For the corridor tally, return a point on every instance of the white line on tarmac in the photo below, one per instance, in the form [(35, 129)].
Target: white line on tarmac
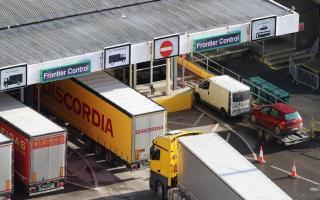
[(179, 123), (228, 137), (228, 127), (198, 120), (249, 158), (274, 167)]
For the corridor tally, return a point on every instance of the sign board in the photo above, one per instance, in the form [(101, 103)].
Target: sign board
[(67, 71), (117, 56), (13, 77), (214, 42), (166, 47), (263, 28)]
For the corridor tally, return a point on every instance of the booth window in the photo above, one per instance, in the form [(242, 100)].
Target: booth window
[(143, 73)]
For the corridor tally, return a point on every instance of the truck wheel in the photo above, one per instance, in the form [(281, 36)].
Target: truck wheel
[(197, 98), (223, 113), (88, 144), (98, 151), (277, 130), (260, 133), (109, 156), (160, 191)]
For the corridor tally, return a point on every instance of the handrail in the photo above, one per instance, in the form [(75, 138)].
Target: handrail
[(212, 65)]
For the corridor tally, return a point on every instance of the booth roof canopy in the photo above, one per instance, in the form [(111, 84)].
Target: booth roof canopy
[(91, 32)]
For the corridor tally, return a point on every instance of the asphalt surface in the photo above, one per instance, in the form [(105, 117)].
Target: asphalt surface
[(92, 178)]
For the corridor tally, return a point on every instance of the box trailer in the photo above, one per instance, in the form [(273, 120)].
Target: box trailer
[(221, 167), (226, 94), (117, 121), (6, 167), (195, 166), (39, 147)]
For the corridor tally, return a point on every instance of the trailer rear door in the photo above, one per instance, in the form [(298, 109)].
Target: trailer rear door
[(5, 167), (48, 158), (146, 128)]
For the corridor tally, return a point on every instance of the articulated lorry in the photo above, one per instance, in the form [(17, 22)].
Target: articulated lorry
[(195, 166), (116, 121), (39, 147), (6, 167)]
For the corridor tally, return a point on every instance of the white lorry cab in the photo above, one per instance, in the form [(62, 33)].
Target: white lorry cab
[(228, 95)]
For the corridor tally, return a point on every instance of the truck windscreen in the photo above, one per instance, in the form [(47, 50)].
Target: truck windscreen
[(241, 96)]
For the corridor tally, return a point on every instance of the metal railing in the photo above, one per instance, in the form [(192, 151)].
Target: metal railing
[(211, 65), (301, 75), (315, 128)]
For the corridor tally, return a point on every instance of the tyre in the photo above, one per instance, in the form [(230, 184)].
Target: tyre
[(98, 151), (277, 130), (88, 145), (197, 98), (260, 133), (253, 119), (160, 191), (268, 137), (109, 156), (223, 113)]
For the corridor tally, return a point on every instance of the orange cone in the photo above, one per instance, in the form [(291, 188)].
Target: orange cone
[(294, 171), (260, 158)]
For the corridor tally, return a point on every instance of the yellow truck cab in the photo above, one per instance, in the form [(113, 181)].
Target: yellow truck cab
[(163, 161)]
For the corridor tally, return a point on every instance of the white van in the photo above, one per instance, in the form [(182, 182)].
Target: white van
[(228, 95)]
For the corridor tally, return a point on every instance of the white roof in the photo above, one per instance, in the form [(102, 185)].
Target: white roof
[(229, 83), (120, 94), (235, 170), (25, 118), (3, 138)]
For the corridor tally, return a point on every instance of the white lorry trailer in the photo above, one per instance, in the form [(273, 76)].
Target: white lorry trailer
[(193, 166), (227, 95), (39, 147), (6, 167)]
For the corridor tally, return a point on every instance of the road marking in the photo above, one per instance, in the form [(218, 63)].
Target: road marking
[(228, 127), (179, 123), (274, 167), (198, 119), (228, 137)]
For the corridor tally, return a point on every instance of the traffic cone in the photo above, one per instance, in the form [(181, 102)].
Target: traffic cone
[(260, 158), (294, 171)]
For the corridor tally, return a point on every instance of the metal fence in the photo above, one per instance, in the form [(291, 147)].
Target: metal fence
[(301, 75)]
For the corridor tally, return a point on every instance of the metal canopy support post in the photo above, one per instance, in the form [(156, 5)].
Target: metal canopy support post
[(134, 75), (22, 95), (39, 103), (130, 75), (175, 73), (168, 69), (151, 72), (183, 68)]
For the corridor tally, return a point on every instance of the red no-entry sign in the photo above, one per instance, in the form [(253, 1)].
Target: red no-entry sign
[(166, 48)]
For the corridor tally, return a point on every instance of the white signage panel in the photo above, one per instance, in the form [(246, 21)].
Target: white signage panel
[(117, 56), (13, 77), (166, 47), (263, 28)]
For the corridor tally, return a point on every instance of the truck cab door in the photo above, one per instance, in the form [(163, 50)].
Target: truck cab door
[(155, 162), (204, 91)]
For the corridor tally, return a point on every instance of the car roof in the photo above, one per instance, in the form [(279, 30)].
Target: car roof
[(285, 108)]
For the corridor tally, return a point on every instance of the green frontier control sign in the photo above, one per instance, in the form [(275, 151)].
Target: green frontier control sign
[(214, 42), (67, 71)]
